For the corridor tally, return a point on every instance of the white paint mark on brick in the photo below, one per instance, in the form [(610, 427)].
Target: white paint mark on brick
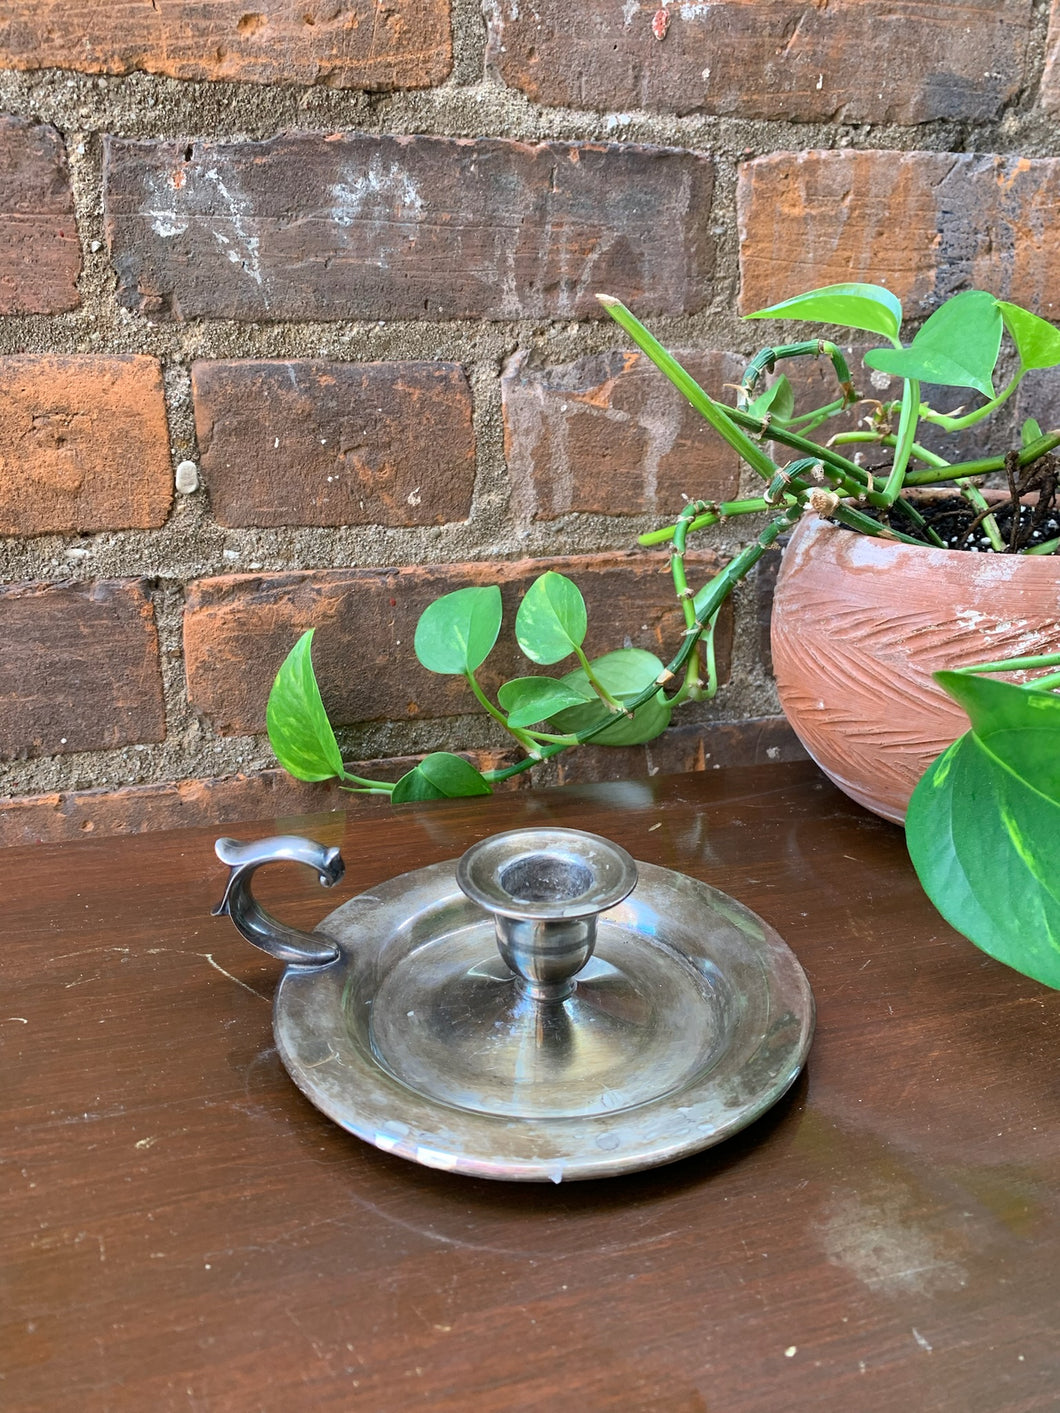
[(162, 207), (238, 214), (358, 190)]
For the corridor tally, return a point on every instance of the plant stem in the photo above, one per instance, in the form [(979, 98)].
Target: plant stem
[(367, 787), (561, 740), (989, 464), (728, 421), (692, 681), (1012, 664), (904, 440), (974, 496), (713, 594), (714, 413), (847, 515), (929, 458), (711, 513), (524, 738), (958, 424), (971, 492), (767, 359), (807, 421), (851, 479), (712, 666), (595, 683), (907, 508), (707, 602)]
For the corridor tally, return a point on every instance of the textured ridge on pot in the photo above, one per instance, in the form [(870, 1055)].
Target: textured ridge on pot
[(860, 624)]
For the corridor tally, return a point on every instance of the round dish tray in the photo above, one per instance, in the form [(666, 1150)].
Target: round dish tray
[(690, 1019)]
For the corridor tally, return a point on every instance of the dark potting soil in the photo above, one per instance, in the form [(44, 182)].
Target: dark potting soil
[(959, 525)]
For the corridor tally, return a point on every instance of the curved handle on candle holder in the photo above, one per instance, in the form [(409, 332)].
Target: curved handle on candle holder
[(288, 944)]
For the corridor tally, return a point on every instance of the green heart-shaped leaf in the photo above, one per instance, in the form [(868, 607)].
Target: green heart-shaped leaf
[(854, 306), (956, 348), (1037, 343), (456, 632), (1030, 432), (625, 674), (1020, 726), (778, 401), (551, 621), (440, 776), (299, 730), (983, 826), (528, 700)]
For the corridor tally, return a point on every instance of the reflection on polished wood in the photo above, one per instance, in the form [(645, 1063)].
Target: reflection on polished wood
[(181, 1230)]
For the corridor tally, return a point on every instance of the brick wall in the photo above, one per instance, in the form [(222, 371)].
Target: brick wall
[(336, 261)]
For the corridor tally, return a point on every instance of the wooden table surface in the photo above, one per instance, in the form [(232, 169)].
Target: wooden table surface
[(181, 1230)]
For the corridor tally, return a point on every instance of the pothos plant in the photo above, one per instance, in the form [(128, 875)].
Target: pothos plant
[(984, 824)]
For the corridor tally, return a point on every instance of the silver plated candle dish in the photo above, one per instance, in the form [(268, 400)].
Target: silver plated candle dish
[(541, 1009)]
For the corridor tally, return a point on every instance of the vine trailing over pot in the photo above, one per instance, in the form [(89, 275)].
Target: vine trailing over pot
[(986, 818)]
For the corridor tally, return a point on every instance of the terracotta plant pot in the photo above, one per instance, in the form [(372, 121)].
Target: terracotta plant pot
[(860, 624)]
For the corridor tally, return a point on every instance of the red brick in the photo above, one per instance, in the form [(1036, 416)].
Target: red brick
[(609, 435), (239, 628), (79, 667), (40, 256), (224, 802), (691, 746), (1050, 93), (356, 226), (926, 224), (850, 60), (292, 443), (83, 444), (341, 43), (1038, 396)]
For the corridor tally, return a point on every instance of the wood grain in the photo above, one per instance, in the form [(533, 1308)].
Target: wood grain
[(180, 1229)]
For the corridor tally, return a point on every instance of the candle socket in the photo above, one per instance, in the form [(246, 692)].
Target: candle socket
[(545, 889)]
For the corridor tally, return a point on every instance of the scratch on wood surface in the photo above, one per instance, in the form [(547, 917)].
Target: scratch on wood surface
[(87, 952), (207, 956)]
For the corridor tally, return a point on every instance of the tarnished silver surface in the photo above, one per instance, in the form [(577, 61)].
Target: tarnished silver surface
[(285, 943), (686, 1021), (544, 889)]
